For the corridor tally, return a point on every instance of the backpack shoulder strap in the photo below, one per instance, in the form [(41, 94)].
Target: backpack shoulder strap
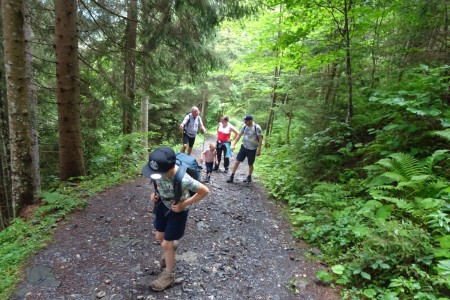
[(178, 178)]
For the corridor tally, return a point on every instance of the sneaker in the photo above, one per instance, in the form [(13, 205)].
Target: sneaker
[(216, 168), (162, 261), (230, 179), (164, 280), (208, 178), (226, 170), (248, 179)]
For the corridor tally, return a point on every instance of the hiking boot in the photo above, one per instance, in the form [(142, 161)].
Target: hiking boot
[(164, 280), (216, 168), (162, 261), (230, 179), (248, 179)]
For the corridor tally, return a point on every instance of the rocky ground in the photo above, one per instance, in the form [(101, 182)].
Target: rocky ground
[(237, 245)]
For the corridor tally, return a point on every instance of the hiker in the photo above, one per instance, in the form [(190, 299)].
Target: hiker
[(224, 130), (209, 156), (190, 125), (250, 148), (170, 217)]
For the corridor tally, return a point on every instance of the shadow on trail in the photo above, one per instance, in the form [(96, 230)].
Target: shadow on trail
[(237, 246)]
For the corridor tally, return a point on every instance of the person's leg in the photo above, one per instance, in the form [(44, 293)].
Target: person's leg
[(191, 145), (185, 142), (176, 225), (169, 255), (226, 163), (235, 167), (239, 158), (219, 156), (209, 168), (251, 155)]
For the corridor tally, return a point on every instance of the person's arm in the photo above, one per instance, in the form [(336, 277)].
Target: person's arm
[(258, 151), (202, 157), (201, 193), (186, 118), (236, 133), (201, 125), (236, 139)]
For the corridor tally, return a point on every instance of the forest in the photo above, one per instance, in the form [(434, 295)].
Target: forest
[(353, 98)]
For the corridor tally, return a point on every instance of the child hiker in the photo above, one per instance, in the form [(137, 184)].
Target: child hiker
[(170, 217), (209, 156)]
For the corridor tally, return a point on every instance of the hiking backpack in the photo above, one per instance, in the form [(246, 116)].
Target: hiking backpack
[(189, 164), (189, 120), (254, 130)]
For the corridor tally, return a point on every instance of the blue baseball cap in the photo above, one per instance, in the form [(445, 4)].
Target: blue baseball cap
[(160, 161)]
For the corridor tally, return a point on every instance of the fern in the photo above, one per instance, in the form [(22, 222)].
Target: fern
[(55, 201), (445, 134), (431, 161), (438, 222)]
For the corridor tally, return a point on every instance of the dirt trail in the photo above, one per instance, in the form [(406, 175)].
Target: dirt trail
[(237, 246)]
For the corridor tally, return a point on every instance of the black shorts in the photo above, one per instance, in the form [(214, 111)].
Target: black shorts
[(187, 140), (244, 152), (171, 223)]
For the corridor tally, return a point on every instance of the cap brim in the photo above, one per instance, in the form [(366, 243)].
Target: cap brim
[(147, 172)]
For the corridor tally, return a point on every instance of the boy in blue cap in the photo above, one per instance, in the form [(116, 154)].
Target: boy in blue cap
[(170, 217)]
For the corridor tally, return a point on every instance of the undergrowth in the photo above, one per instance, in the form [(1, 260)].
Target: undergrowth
[(377, 204)]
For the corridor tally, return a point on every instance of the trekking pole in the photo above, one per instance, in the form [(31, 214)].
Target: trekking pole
[(204, 140)]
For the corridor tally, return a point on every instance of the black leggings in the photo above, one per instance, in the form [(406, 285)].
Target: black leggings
[(226, 160)]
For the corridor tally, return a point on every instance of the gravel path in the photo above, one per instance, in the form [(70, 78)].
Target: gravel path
[(237, 246)]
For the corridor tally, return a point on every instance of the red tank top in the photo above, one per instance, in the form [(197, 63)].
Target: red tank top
[(224, 134)]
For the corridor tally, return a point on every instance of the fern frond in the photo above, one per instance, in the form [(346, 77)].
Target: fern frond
[(406, 165), (386, 188), (386, 163), (429, 203), (438, 221), (436, 157), (445, 134), (394, 176), (400, 203)]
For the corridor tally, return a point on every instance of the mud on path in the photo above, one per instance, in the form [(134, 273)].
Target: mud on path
[(237, 246)]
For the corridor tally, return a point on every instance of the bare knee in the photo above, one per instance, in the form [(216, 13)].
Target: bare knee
[(167, 245), (159, 236)]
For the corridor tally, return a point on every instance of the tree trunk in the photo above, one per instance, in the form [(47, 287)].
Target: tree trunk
[(277, 72), (288, 131), (6, 209), (330, 86), (375, 44), (348, 62), (144, 122), (22, 182), (32, 99), (272, 103), (130, 67), (68, 90)]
